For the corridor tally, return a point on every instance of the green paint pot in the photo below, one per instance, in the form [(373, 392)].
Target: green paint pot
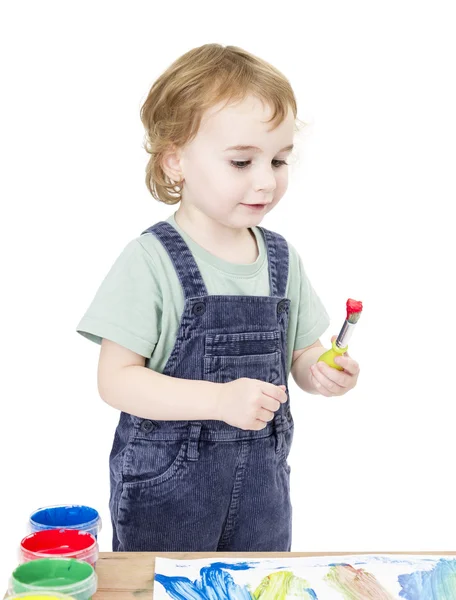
[(41, 596), (68, 576)]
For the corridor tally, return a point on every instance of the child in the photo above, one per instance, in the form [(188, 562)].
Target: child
[(202, 317)]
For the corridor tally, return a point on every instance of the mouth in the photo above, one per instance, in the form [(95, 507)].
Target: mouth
[(255, 207)]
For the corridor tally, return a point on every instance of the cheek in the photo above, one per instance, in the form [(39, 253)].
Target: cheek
[(226, 187), (204, 181), (230, 186), (282, 179), (281, 185), (224, 181)]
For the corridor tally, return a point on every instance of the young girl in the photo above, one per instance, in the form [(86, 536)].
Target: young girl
[(203, 316)]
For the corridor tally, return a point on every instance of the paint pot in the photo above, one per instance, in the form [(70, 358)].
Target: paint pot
[(69, 516), (68, 576), (41, 596), (59, 543)]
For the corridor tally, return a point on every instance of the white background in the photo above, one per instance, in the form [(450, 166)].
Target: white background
[(370, 208)]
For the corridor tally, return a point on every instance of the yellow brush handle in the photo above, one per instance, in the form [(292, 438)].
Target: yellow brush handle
[(329, 356)]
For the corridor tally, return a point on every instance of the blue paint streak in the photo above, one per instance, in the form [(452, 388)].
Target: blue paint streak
[(437, 584), (401, 561), (215, 584)]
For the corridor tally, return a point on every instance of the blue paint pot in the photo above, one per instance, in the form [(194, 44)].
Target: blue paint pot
[(66, 516)]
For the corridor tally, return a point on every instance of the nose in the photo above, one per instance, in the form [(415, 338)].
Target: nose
[(265, 181)]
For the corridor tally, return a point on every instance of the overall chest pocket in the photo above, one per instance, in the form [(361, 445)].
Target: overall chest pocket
[(254, 354)]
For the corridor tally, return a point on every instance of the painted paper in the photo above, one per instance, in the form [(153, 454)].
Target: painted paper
[(351, 577)]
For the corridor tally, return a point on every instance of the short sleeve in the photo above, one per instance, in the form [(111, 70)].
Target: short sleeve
[(313, 320), (127, 306)]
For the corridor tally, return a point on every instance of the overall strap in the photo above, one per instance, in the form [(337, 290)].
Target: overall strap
[(181, 257), (278, 260)]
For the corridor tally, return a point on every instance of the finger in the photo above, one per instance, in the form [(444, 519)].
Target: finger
[(264, 415), (348, 364), (341, 379), (318, 386), (274, 391), (270, 403), (331, 379), (258, 425)]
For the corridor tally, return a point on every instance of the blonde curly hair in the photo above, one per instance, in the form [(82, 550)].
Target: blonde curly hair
[(198, 80)]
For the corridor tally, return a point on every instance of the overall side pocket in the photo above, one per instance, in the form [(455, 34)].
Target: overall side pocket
[(150, 462)]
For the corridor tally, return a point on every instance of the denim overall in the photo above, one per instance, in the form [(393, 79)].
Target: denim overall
[(194, 486)]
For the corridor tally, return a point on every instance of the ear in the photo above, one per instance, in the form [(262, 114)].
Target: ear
[(171, 164)]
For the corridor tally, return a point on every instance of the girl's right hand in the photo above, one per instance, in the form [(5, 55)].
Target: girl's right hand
[(249, 403)]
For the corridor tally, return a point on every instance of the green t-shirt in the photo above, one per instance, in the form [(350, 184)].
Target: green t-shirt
[(140, 301)]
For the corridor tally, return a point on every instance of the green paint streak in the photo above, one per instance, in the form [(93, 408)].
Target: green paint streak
[(282, 585)]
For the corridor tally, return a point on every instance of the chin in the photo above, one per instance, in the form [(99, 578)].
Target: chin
[(254, 220)]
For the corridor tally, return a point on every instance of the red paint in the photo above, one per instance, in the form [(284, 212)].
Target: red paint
[(57, 542), (353, 306)]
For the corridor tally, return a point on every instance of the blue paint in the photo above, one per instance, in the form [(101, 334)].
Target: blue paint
[(66, 517), (437, 584), (400, 561), (215, 584)]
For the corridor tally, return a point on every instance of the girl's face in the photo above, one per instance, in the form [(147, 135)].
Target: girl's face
[(236, 187)]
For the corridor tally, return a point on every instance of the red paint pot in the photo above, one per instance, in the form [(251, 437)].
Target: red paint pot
[(60, 543)]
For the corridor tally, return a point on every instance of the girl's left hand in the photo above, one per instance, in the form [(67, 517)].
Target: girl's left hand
[(331, 382)]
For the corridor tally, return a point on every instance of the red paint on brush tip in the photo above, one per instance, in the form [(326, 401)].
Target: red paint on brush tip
[(353, 306)]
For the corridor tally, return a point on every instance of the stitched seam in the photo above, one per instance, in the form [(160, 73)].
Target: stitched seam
[(233, 512)]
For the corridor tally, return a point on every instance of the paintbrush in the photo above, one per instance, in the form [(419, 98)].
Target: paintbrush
[(339, 345)]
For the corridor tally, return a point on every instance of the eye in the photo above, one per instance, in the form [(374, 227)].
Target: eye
[(243, 164)]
